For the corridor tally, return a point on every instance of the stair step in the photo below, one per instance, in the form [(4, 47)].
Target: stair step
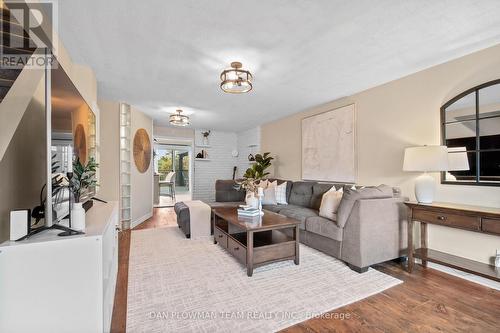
[(3, 92), (9, 39), (9, 74), (12, 50), (12, 27), (6, 83), (6, 16)]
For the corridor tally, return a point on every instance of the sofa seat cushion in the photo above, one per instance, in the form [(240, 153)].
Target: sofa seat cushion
[(273, 208), (298, 213), (324, 227)]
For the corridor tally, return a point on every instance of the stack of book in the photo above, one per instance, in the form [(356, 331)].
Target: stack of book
[(248, 211)]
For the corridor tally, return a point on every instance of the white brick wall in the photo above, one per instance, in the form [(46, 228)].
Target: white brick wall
[(219, 166), (220, 161), (248, 143)]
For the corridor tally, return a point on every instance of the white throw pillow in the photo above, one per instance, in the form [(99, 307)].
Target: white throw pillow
[(263, 183), (281, 194), (272, 184), (330, 203), (269, 196)]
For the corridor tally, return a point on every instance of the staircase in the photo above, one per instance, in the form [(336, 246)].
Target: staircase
[(12, 34)]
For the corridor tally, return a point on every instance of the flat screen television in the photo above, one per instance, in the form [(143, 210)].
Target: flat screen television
[(72, 134)]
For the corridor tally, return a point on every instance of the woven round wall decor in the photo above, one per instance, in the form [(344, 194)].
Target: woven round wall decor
[(142, 150)]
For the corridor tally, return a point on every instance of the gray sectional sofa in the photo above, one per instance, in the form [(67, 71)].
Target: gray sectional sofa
[(369, 227)]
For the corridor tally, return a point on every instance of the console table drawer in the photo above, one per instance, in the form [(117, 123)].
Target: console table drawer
[(444, 218), (237, 250), (491, 226), (220, 237)]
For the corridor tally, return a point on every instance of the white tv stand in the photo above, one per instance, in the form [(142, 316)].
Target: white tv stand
[(51, 284)]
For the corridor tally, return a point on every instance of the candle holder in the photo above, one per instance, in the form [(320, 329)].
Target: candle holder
[(261, 212), (69, 231)]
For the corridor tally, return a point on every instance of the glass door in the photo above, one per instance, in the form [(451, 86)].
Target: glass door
[(172, 168)]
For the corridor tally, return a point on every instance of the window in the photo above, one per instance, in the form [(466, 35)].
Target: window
[(470, 122)]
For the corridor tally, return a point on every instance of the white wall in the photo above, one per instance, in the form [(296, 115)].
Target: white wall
[(141, 183), (219, 166), (174, 135), (248, 143), (399, 114), (109, 149)]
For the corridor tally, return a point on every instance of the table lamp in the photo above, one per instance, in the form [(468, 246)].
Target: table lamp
[(426, 159)]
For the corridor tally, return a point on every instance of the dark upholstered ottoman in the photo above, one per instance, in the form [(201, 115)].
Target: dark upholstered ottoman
[(182, 212)]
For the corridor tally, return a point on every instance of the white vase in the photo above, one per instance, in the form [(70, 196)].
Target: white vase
[(78, 217), (425, 187), (252, 200)]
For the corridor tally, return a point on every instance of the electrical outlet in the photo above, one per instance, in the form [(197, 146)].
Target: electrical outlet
[(497, 259)]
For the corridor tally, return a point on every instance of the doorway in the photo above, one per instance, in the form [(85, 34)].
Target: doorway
[(172, 180)]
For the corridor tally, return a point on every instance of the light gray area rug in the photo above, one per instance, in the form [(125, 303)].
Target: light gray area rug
[(181, 285)]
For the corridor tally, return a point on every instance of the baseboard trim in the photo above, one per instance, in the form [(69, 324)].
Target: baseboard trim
[(464, 275), (141, 219)]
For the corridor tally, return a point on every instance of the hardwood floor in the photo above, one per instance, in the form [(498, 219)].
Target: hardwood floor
[(162, 217), (427, 301), (119, 319)]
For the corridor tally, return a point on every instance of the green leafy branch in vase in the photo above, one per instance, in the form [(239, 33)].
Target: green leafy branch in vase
[(258, 170), (83, 177), (255, 173)]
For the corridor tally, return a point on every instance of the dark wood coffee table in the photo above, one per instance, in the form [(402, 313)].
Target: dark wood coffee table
[(256, 241)]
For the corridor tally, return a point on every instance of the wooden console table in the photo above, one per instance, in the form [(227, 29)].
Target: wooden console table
[(484, 220)]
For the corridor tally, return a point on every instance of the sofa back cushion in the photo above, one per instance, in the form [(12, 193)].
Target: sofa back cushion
[(225, 191), (317, 195), (351, 196), (301, 194)]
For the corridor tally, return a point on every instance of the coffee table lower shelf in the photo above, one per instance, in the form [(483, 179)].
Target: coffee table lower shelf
[(267, 246)]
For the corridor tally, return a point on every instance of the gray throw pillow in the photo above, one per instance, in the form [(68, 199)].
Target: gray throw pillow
[(350, 196)]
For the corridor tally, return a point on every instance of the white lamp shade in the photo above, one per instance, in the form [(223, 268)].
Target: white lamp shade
[(457, 159), (426, 159)]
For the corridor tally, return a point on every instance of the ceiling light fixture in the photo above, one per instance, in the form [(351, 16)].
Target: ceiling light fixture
[(236, 80), (179, 119)]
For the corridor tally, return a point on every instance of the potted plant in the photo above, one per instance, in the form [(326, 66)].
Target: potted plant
[(253, 176), (83, 178)]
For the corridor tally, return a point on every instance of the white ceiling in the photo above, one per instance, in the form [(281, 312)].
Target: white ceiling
[(161, 55)]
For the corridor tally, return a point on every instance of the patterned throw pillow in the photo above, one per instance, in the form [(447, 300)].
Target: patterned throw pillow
[(281, 194), (269, 197)]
